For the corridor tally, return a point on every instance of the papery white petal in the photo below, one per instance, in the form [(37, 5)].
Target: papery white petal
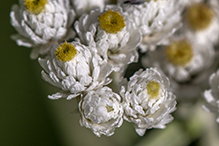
[(212, 95)]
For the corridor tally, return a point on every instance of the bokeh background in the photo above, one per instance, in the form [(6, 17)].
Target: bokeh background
[(29, 118), (24, 113)]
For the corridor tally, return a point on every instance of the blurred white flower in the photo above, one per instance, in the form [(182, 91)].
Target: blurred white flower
[(156, 20), (186, 62), (182, 59), (212, 95), (75, 69), (201, 19), (85, 6), (146, 101), (116, 42), (42, 24), (101, 111)]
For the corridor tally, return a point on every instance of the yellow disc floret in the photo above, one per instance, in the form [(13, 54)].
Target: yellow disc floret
[(199, 16), (179, 53), (65, 52), (35, 6), (153, 89), (109, 108), (111, 21)]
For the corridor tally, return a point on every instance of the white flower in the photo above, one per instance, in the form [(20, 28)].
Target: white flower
[(156, 20), (85, 6), (43, 28), (182, 59), (146, 101), (101, 111), (116, 42), (212, 95), (187, 64), (201, 18), (75, 69)]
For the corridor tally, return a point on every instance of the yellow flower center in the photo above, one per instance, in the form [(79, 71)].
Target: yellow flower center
[(199, 16), (109, 108), (35, 6), (65, 52), (111, 21), (179, 52), (153, 89)]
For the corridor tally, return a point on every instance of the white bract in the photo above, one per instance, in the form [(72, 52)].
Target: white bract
[(81, 73), (41, 30), (156, 20), (85, 6), (101, 111), (146, 101), (212, 95), (117, 47)]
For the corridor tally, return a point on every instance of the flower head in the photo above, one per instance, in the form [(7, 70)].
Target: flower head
[(118, 48), (182, 59), (179, 52), (101, 111), (74, 69), (199, 16), (146, 101)]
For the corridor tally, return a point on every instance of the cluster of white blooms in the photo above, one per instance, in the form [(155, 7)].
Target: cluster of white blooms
[(80, 44)]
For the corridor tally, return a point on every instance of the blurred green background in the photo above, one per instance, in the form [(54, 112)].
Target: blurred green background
[(29, 118), (25, 118)]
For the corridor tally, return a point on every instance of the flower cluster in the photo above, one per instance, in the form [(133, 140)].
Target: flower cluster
[(80, 44)]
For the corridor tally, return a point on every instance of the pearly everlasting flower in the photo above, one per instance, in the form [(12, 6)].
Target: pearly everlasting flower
[(212, 95), (186, 62), (101, 111), (85, 6), (112, 34), (201, 18), (182, 59), (156, 20), (42, 23), (146, 101), (74, 69)]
